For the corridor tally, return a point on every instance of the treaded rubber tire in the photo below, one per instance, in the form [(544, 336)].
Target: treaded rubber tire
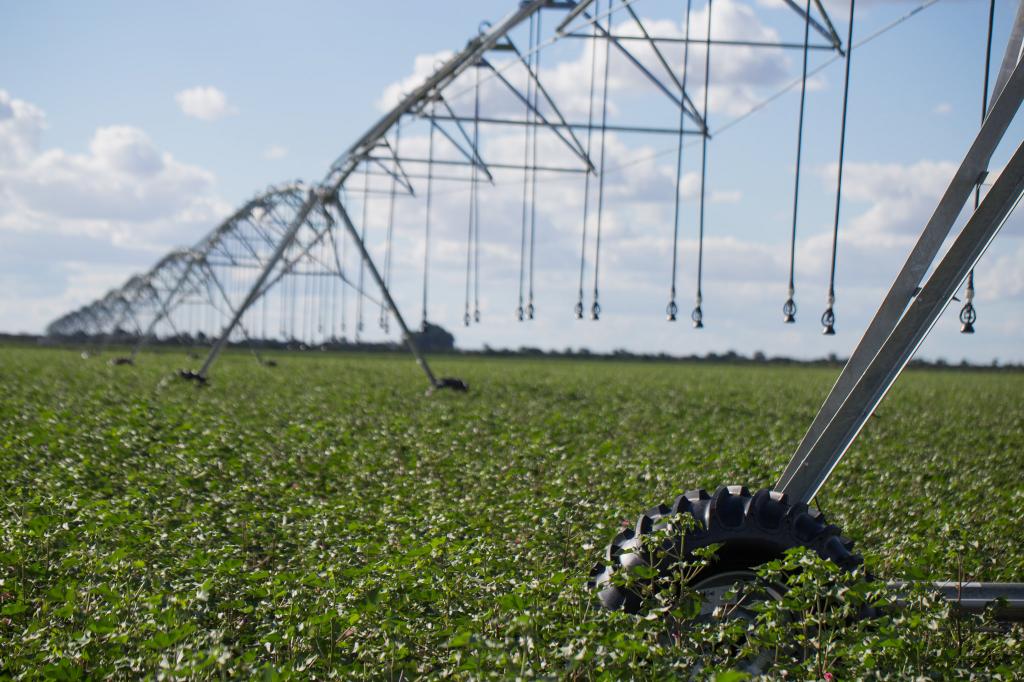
[(752, 529)]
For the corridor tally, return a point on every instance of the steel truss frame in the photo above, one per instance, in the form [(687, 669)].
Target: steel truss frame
[(299, 219)]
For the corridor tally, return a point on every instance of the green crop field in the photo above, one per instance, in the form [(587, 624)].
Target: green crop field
[(325, 518)]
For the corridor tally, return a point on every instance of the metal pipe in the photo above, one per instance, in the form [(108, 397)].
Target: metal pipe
[(581, 126), (881, 373), (1005, 599), (902, 291), (702, 41)]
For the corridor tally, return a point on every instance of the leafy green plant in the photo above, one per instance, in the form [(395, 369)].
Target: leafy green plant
[(323, 519)]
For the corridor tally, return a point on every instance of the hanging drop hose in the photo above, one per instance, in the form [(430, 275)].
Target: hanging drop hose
[(533, 179), (282, 293), (426, 233), (586, 177), (362, 237), (292, 307), (472, 239), (595, 307), (673, 309), (344, 289), (466, 318), (698, 313), (391, 227), (475, 188), (828, 318), (968, 315), (530, 123), (789, 307), (320, 293)]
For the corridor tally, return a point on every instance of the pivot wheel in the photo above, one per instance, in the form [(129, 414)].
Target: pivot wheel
[(751, 530)]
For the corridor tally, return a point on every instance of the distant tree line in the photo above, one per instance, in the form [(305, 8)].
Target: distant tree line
[(437, 340)]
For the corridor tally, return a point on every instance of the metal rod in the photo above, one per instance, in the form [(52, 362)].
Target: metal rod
[(1002, 112), (897, 350), (580, 126), (500, 166), (702, 41), (406, 334), (1006, 600)]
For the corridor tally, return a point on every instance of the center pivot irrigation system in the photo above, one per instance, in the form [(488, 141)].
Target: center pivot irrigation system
[(281, 267)]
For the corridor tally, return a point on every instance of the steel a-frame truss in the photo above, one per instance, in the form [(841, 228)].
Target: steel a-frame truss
[(430, 101), (909, 310), (283, 231)]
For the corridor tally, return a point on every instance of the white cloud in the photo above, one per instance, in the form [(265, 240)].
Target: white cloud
[(901, 197), (206, 103), (943, 108), (1002, 273), (124, 188), (275, 152), (21, 123), (119, 205)]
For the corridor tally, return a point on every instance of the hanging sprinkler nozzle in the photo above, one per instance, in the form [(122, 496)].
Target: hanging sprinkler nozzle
[(789, 310)]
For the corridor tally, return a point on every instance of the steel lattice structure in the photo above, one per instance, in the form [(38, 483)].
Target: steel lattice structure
[(296, 234)]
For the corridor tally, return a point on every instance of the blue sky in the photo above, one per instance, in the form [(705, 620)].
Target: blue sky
[(102, 80)]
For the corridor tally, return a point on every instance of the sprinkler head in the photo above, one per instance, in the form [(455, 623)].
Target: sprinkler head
[(828, 322), (789, 311), (967, 318)]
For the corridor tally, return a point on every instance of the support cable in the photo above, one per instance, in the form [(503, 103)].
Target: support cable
[(828, 318), (362, 236), (344, 290), (472, 238), (595, 306), (968, 315), (466, 317), (586, 180), (320, 297), (426, 232), (789, 307), (391, 229), (673, 308), (476, 202), (698, 312), (533, 181), (520, 312)]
